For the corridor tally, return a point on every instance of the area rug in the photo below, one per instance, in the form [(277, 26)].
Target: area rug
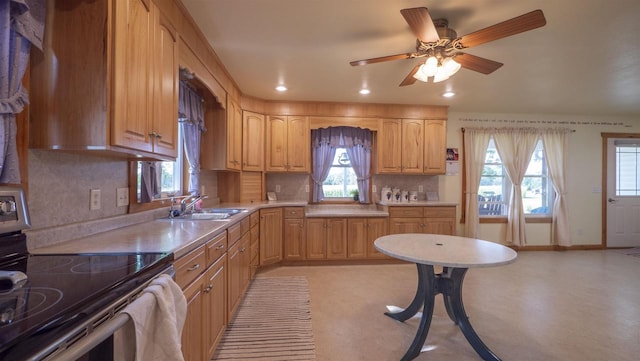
[(273, 323)]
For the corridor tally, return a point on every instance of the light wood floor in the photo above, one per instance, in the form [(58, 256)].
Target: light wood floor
[(573, 305)]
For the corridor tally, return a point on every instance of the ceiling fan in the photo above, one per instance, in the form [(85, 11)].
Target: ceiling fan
[(441, 45)]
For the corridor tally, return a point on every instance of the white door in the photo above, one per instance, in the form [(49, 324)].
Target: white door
[(623, 192)]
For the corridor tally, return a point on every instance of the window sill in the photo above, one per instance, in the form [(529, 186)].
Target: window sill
[(503, 219)]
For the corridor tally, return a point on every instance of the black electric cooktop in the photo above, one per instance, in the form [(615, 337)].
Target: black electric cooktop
[(63, 290)]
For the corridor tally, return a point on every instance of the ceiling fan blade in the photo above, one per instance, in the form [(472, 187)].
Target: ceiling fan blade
[(381, 59), (409, 80), (476, 63), (421, 24), (517, 25)]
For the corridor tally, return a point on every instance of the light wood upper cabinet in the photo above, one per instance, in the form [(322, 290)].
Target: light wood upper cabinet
[(164, 130), (389, 146), (435, 147), (94, 85), (411, 146), (252, 141), (288, 144), (234, 136)]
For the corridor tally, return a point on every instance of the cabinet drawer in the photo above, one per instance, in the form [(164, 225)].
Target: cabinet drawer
[(234, 233), (254, 218), (245, 225), (405, 211), (216, 247), (190, 266), (293, 212), (440, 212)]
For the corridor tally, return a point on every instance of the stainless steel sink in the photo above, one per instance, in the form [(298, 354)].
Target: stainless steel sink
[(219, 214)]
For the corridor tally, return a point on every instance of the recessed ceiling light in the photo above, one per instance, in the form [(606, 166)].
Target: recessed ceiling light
[(281, 88), (364, 91), (448, 94)]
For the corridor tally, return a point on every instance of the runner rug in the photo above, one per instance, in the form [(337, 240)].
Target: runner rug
[(272, 323)]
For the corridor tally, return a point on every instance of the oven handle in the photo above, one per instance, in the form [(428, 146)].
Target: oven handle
[(107, 329)]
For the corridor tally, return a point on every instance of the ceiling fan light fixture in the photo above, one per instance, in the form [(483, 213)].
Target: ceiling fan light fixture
[(420, 75), (430, 66), (450, 66), (441, 75)]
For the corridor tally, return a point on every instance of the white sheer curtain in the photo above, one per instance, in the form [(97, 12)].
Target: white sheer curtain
[(515, 147), (322, 157), (475, 147), (357, 142), (191, 118), (555, 142), (21, 25)]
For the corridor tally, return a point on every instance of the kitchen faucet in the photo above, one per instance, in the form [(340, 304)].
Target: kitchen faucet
[(188, 207)]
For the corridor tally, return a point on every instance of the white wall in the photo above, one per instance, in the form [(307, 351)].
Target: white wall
[(584, 169)]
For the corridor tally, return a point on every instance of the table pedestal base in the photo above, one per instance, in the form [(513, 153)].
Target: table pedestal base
[(449, 284)]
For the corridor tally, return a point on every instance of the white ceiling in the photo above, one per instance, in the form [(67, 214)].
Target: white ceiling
[(586, 60)]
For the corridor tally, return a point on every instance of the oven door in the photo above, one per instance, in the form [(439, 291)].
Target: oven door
[(93, 340)]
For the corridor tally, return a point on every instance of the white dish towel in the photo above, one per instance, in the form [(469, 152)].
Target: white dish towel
[(158, 316)]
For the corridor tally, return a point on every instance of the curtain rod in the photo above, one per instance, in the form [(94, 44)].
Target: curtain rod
[(571, 130)]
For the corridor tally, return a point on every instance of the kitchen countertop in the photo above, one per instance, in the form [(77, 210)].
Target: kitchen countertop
[(180, 236), (177, 236), (417, 204)]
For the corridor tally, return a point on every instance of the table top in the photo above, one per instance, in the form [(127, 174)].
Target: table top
[(443, 250)]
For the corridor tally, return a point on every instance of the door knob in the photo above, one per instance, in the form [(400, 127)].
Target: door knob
[(611, 200)]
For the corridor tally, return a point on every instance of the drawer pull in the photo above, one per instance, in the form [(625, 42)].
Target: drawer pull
[(220, 246), (195, 267), (242, 249), (209, 288)]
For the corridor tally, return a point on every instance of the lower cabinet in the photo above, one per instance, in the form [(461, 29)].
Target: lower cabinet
[(326, 238), (202, 274), (239, 258), (294, 234), (270, 236), (435, 220), (362, 232)]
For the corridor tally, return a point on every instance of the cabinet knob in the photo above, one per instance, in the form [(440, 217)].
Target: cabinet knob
[(194, 267), (220, 246), (209, 288)]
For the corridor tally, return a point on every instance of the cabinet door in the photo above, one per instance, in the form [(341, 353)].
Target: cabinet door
[(412, 145), (316, 238), (298, 144), (245, 263), (252, 142), (376, 228), (270, 235), (234, 286), (405, 225), (276, 143), (132, 77), (215, 296), (389, 147), (192, 340), (164, 127), (234, 136), (336, 238), (357, 237), (435, 146), (294, 239)]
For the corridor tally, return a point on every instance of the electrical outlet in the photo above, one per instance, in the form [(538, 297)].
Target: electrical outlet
[(277, 188), (420, 188), (122, 197), (306, 188), (374, 189), (95, 200)]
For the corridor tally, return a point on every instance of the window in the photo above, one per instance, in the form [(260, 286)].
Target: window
[(627, 170), (168, 175), (495, 186), (341, 181)]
